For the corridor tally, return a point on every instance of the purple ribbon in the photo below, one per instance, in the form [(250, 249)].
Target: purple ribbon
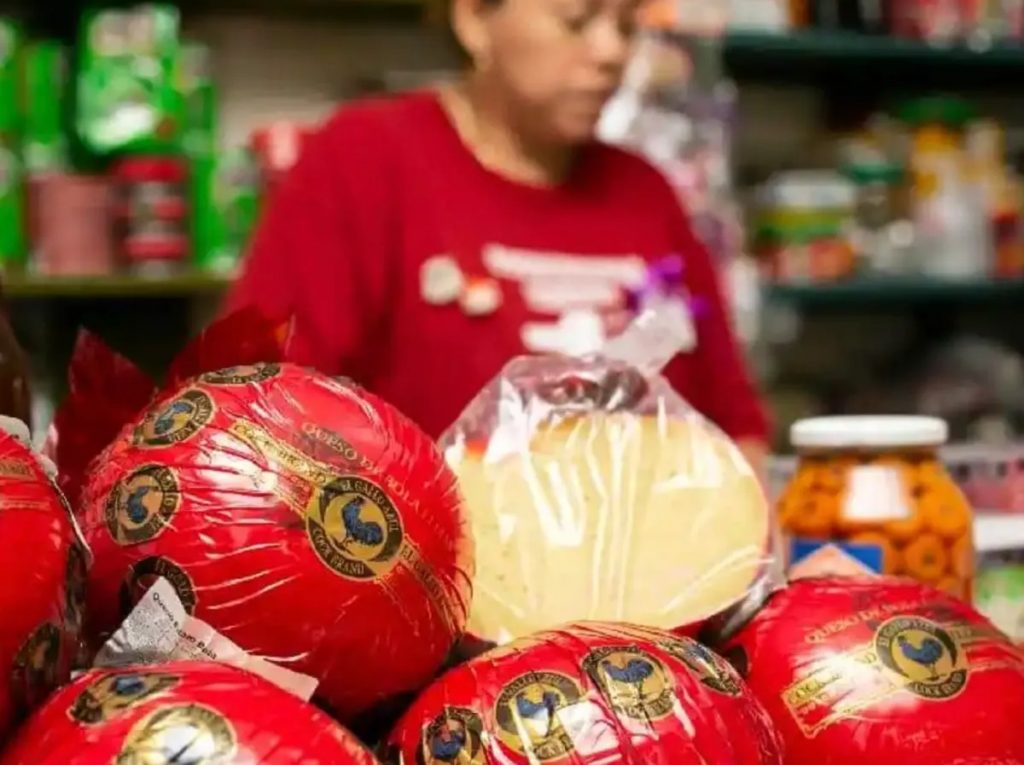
[(664, 279)]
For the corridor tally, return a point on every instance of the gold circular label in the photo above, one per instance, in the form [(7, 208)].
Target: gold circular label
[(184, 734), (112, 694), (711, 670), (929, 660), (243, 374), (531, 715), (76, 573), (144, 574), (634, 682), (354, 528), (142, 505), (176, 421), (454, 737), (35, 669)]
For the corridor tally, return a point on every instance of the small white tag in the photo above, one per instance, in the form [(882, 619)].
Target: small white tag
[(875, 493), (441, 280), (481, 297), (160, 630)]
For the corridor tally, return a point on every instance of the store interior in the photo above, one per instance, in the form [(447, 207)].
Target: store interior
[(855, 169)]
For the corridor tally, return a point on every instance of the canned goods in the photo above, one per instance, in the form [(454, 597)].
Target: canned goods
[(152, 209)]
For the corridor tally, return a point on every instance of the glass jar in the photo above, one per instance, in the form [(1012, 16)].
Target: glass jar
[(875, 488)]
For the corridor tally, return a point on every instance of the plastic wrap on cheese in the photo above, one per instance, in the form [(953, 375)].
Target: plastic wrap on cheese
[(186, 713), (106, 390), (885, 671), (596, 492), (42, 587), (304, 519), (586, 694)]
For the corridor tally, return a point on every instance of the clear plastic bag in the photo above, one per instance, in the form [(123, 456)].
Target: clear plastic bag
[(595, 492)]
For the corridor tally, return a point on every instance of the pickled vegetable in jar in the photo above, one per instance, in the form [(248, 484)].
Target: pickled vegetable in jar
[(875, 488)]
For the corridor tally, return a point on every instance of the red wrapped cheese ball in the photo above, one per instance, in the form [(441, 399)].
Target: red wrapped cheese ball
[(184, 713), (43, 584), (589, 693), (886, 671), (303, 518)]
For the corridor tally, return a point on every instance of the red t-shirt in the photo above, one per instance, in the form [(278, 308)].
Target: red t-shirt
[(388, 185)]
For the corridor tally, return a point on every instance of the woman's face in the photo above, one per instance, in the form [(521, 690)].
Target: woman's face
[(554, 63)]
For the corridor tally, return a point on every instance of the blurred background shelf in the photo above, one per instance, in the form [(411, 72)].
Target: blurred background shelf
[(812, 55), (895, 291), (25, 286)]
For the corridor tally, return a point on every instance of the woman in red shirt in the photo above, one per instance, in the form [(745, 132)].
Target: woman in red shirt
[(424, 240)]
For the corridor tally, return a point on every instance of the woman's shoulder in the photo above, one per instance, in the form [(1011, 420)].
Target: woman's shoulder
[(377, 117), (627, 171)]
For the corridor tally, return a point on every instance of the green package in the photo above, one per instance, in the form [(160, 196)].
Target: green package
[(225, 208), (128, 95), (10, 42), (200, 101), (43, 87), (13, 246)]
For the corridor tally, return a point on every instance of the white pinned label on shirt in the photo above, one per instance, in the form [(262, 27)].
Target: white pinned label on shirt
[(441, 280), (481, 297)]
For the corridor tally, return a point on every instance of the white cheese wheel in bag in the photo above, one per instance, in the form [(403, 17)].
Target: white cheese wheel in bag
[(656, 520)]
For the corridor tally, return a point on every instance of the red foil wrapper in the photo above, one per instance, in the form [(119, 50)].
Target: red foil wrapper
[(885, 671), (42, 589), (185, 712), (589, 693), (303, 518)]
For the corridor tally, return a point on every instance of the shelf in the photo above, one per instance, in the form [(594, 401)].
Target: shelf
[(19, 286), (815, 55), (344, 11), (894, 291)]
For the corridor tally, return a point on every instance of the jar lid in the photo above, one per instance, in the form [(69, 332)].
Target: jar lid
[(868, 432)]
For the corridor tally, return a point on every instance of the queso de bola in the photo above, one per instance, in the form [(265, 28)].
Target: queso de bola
[(269, 494)]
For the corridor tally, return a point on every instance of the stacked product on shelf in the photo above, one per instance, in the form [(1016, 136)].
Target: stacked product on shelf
[(935, 21), (253, 524), (110, 160), (875, 488), (926, 191)]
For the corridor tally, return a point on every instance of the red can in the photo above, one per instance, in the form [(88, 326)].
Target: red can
[(885, 671), (42, 590), (185, 712), (152, 208), (305, 519), (589, 693)]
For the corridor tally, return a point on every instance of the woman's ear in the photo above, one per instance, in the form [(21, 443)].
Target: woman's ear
[(469, 20)]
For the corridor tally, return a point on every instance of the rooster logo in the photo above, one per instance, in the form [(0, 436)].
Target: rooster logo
[(711, 669), (455, 737), (925, 656), (176, 421), (535, 715), (634, 682), (187, 734), (355, 528), (113, 694), (142, 505)]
